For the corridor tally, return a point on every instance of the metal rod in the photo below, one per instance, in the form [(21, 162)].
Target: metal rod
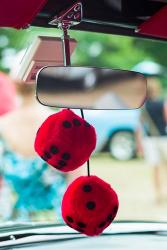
[(66, 46), (65, 20)]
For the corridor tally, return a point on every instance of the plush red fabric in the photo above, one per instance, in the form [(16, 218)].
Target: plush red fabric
[(65, 140), (89, 205), (7, 94), (155, 25), (19, 13)]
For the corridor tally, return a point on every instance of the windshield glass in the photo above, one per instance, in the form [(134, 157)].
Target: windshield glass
[(131, 145)]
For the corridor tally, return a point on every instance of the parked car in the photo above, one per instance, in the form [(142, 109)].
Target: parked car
[(116, 131)]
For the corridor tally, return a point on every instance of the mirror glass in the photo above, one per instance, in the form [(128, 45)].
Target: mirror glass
[(90, 88)]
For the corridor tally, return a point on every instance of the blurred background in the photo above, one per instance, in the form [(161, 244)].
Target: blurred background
[(119, 158)]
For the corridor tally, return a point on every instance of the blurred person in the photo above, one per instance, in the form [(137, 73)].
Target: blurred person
[(37, 186), (7, 94), (7, 104), (154, 142)]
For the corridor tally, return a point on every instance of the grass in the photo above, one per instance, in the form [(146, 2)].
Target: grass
[(134, 184)]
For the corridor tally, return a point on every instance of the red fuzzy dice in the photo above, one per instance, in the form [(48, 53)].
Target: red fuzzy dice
[(65, 140), (89, 205)]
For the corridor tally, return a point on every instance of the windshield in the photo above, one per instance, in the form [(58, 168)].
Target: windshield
[(131, 145)]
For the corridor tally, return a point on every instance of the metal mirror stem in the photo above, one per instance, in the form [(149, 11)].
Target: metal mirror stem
[(66, 46), (67, 18)]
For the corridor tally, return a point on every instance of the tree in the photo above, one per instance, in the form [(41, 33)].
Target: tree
[(92, 49)]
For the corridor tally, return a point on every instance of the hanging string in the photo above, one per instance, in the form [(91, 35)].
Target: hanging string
[(88, 168), (82, 113), (88, 163)]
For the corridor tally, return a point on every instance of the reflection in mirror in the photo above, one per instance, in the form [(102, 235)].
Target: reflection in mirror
[(90, 88)]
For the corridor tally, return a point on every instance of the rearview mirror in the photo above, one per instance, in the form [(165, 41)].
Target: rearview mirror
[(90, 88)]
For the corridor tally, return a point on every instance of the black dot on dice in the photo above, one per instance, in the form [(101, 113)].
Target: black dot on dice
[(91, 205), (54, 149), (46, 156), (62, 163), (58, 167), (102, 224), (43, 157), (87, 124), (110, 218), (67, 124), (81, 224), (76, 122), (87, 188), (66, 156), (69, 219)]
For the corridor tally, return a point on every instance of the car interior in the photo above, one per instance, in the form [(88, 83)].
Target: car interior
[(83, 124)]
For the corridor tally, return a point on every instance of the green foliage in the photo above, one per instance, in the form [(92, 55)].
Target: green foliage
[(92, 49), (107, 51), (158, 49), (116, 51), (13, 40)]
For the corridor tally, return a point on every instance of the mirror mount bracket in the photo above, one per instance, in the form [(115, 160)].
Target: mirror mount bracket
[(64, 21)]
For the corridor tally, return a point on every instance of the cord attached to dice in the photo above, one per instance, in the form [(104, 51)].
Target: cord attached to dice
[(66, 141)]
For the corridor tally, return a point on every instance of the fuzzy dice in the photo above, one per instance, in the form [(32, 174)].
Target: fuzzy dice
[(89, 205), (65, 140)]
